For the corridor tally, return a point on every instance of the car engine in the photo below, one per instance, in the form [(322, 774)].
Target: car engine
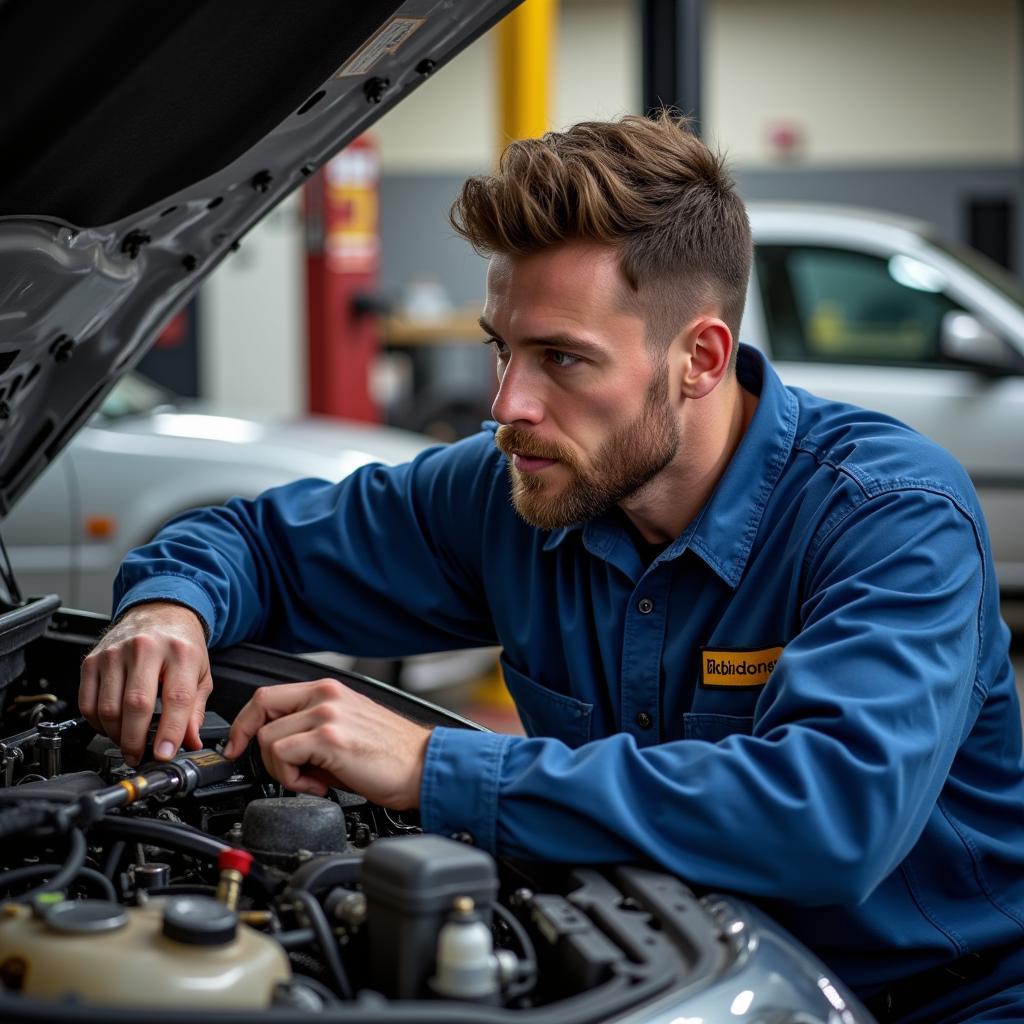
[(199, 885)]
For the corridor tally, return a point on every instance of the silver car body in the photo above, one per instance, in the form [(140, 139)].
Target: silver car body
[(976, 415), (137, 471)]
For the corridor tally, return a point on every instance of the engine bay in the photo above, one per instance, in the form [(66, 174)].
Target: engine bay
[(201, 885)]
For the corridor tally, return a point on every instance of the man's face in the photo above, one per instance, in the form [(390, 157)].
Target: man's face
[(584, 405)]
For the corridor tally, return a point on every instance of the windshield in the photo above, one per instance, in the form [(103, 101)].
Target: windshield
[(135, 395), (988, 270)]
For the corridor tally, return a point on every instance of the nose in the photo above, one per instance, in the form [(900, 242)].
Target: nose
[(519, 398)]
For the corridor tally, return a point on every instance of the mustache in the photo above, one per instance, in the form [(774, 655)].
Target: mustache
[(513, 441)]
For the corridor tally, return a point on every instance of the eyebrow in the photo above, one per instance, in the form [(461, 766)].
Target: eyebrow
[(568, 341)]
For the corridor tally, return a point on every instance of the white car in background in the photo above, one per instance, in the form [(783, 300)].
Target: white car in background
[(147, 456), (857, 305), (870, 308)]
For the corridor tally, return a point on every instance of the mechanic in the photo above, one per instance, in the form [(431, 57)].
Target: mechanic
[(753, 635)]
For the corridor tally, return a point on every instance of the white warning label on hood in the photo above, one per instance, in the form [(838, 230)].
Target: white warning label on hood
[(383, 43)]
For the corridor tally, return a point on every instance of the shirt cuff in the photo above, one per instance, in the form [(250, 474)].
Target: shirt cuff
[(176, 589), (461, 777)]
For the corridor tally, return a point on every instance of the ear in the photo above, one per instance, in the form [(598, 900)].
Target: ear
[(706, 353)]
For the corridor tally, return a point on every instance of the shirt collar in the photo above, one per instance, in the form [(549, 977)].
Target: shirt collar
[(723, 533)]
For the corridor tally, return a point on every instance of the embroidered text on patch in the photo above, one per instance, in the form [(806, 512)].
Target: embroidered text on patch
[(723, 666)]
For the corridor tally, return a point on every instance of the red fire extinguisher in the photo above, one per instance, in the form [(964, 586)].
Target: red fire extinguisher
[(342, 261)]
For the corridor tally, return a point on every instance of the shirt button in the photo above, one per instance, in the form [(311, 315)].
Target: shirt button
[(645, 606), (643, 720)]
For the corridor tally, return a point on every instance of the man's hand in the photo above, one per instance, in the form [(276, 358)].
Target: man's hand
[(321, 734), (158, 646)]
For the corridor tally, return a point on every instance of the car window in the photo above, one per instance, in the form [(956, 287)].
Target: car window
[(825, 304), (988, 270)]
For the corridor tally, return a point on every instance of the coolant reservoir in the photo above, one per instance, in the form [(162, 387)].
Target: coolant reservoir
[(185, 951)]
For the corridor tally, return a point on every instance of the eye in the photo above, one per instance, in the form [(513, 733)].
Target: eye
[(499, 346), (560, 358)]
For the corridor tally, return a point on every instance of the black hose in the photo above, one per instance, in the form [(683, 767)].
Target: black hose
[(296, 937), (73, 863), (11, 878), (113, 859), (22, 819), (515, 926), (63, 874), (183, 839), (175, 836), (325, 939), (327, 872), (24, 792), (182, 889), (528, 968)]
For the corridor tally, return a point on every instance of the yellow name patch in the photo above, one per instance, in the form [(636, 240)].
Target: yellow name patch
[(725, 666)]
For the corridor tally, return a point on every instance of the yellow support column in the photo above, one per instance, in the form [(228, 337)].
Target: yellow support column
[(526, 44)]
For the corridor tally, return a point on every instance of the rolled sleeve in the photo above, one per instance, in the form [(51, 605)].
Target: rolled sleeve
[(171, 587), (461, 778)]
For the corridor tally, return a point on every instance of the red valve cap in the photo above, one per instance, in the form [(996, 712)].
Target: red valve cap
[(234, 860)]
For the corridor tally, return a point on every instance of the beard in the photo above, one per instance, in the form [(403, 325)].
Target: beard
[(625, 462)]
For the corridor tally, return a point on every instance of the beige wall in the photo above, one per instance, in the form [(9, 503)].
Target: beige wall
[(450, 124), (252, 320), (876, 81), (598, 61)]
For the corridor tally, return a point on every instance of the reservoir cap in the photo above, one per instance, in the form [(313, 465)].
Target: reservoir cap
[(199, 921), (85, 917)]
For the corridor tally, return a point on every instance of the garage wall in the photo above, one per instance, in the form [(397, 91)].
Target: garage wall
[(252, 321), (876, 81), (911, 105), (450, 123)]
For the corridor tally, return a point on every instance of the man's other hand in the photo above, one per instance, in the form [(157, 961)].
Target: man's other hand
[(321, 734), (154, 647)]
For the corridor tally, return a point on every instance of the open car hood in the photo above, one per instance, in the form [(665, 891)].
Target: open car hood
[(141, 142)]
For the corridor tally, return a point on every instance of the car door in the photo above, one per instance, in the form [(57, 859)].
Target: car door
[(41, 533), (864, 323)]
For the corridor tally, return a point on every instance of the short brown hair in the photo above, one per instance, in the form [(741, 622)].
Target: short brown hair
[(648, 186)]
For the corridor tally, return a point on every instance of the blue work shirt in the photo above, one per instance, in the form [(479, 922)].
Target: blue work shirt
[(805, 698)]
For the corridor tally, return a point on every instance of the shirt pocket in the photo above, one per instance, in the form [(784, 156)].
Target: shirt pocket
[(544, 712), (715, 727)]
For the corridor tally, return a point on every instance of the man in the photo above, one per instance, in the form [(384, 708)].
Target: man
[(753, 635)]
